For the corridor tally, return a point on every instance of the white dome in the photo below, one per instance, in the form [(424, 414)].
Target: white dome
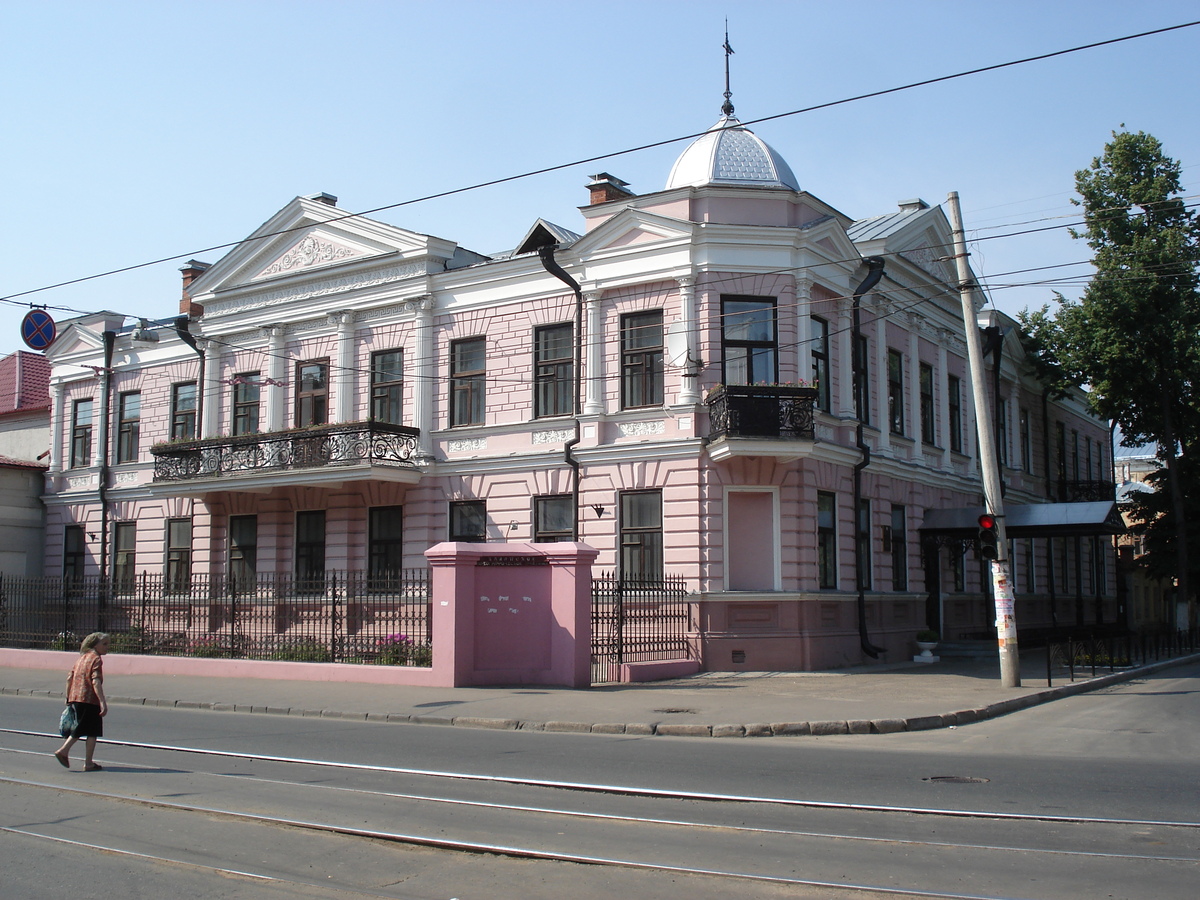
[(729, 153)]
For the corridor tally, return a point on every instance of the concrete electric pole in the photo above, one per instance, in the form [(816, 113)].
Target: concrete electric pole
[(1002, 588)]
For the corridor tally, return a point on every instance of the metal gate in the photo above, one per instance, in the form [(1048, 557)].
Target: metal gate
[(635, 620)]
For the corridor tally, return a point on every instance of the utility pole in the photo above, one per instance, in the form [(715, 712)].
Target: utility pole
[(1002, 589)]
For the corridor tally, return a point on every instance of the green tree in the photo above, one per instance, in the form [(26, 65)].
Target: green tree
[(1134, 336)]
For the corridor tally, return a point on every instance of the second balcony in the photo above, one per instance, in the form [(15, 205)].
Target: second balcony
[(761, 420)]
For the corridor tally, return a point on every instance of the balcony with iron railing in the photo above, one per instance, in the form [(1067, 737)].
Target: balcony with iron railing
[(1085, 491), (761, 420), (318, 455)]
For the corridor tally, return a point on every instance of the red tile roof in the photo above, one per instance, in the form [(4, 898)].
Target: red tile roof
[(24, 382)]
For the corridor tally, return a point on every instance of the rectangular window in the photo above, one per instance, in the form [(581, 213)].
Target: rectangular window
[(124, 556), (641, 360), (958, 566), (553, 519), (1074, 455), (179, 556), (312, 393), (895, 375), (954, 395), (899, 550), (467, 377), (863, 525), (74, 552), (827, 561), (129, 425), (245, 403), (928, 419), (1030, 566), (749, 341), (183, 411), (1100, 560), (641, 535), (820, 361), (387, 386), (468, 521), (553, 370), (310, 550), (1026, 438), (1060, 439), (1088, 458), (861, 375), (385, 544), (243, 552), (81, 434)]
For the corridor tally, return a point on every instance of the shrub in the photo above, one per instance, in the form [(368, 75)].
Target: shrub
[(305, 649)]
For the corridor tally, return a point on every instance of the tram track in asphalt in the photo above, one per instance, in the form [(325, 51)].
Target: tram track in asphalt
[(663, 842)]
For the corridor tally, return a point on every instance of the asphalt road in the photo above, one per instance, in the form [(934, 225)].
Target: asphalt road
[(1128, 755)]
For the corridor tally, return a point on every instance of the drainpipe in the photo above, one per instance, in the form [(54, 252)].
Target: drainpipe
[(874, 273), (546, 255), (181, 329), (110, 340)]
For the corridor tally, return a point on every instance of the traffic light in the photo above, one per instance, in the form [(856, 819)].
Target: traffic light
[(989, 539)]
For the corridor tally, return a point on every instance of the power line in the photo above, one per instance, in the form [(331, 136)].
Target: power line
[(598, 158)]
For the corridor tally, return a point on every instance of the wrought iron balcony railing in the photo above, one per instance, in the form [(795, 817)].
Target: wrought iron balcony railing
[(762, 411), (351, 444)]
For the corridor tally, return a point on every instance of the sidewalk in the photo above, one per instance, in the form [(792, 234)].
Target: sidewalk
[(864, 700)]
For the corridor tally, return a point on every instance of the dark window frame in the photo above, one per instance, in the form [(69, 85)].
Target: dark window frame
[(1025, 436), (385, 544), (312, 532), (641, 542), (899, 540), (124, 556), (820, 362), (895, 376), (467, 521), (387, 386), (242, 559), (74, 552), (827, 553), (183, 415), (545, 532), (247, 403), (863, 538), (860, 373), (928, 410), (312, 393), (954, 398), (468, 386), (553, 370), (81, 432), (642, 359), (759, 356), (129, 425), (178, 563)]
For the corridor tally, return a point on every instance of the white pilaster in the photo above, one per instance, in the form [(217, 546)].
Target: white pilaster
[(689, 390), (424, 367), (804, 330), (593, 369), (882, 419), (57, 415), (213, 363), (276, 394), (345, 378)]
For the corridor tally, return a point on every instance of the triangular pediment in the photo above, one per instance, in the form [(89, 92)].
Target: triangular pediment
[(310, 237), (632, 226), (919, 234)]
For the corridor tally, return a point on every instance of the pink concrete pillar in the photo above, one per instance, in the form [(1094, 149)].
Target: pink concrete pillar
[(512, 613)]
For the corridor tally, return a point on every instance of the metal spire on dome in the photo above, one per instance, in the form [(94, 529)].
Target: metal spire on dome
[(727, 107)]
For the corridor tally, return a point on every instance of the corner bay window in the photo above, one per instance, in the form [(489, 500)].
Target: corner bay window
[(749, 341)]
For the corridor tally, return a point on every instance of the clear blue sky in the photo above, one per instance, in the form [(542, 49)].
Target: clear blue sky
[(133, 131)]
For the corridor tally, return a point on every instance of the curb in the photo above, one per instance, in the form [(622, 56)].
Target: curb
[(677, 729)]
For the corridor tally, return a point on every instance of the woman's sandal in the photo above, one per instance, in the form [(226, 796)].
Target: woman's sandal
[(94, 767), (63, 761)]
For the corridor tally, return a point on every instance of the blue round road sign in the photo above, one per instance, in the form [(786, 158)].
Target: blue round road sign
[(37, 329)]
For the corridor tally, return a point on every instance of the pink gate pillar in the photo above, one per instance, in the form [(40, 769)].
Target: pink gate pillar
[(512, 613)]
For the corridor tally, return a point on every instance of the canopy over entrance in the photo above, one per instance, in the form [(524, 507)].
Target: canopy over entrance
[(1028, 520)]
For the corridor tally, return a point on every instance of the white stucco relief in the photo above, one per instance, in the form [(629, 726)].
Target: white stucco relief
[(308, 291), (309, 252)]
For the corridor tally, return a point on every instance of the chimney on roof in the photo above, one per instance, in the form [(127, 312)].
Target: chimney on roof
[(913, 205), (191, 271), (605, 187), (327, 199)]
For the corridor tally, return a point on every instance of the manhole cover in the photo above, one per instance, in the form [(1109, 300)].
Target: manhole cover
[(674, 710), (956, 779)]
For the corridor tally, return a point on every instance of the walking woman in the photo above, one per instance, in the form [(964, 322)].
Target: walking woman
[(85, 692)]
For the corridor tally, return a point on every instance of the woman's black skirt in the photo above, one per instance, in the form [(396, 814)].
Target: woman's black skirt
[(90, 722)]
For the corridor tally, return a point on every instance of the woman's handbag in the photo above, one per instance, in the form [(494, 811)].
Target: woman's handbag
[(68, 721)]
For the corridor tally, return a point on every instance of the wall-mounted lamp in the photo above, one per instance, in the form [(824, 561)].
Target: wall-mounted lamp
[(599, 511), (512, 526)]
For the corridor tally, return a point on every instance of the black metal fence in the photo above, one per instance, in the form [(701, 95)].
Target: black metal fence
[(1100, 654), (340, 617), (637, 620)]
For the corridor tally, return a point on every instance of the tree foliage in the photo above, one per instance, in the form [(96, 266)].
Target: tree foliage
[(1134, 336)]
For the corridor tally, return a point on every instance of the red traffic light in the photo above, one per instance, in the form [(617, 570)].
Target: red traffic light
[(987, 522)]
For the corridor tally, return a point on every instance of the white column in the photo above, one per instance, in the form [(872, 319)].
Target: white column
[(213, 364), (804, 333), (882, 420), (345, 378), (425, 369), (57, 424), (689, 390), (593, 369), (276, 394), (941, 385)]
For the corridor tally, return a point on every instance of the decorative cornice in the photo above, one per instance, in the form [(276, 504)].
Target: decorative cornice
[(257, 299)]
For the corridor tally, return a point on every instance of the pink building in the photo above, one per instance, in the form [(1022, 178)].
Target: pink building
[(341, 394)]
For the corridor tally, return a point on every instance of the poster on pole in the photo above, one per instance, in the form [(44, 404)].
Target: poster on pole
[(1006, 617)]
